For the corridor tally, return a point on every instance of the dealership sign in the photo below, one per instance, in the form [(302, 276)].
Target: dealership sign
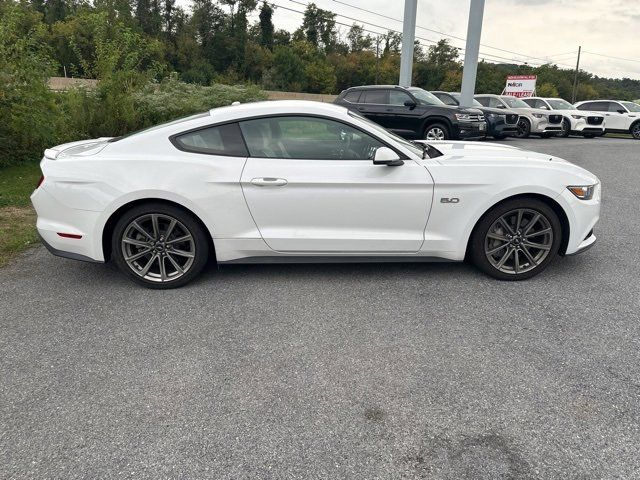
[(520, 86)]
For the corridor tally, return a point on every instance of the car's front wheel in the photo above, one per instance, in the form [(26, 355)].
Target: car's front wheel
[(566, 128), (437, 131), (159, 245), (523, 128), (635, 130), (516, 239)]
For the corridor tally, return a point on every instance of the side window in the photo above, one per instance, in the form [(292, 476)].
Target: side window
[(375, 96), (307, 138), (483, 100), (541, 104), (600, 106), (352, 97), (616, 107), (446, 99), (529, 101), (225, 140), (495, 103), (586, 106), (398, 98)]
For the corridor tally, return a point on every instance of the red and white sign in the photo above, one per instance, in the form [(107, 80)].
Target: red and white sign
[(520, 85)]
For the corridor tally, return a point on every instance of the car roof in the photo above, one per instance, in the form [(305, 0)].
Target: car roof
[(276, 107), (373, 87)]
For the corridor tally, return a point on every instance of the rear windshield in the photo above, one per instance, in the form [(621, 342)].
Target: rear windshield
[(162, 125)]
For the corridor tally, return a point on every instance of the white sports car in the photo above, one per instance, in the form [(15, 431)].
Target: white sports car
[(295, 181)]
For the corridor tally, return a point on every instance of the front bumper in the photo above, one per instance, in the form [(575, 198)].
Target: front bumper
[(542, 125), (581, 127), (470, 130), (583, 215), (499, 127)]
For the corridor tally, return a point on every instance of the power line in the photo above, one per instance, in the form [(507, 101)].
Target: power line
[(611, 56), (492, 57), (437, 31)]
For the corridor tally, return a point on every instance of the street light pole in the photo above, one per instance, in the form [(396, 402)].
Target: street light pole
[(408, 38), (472, 50), (575, 77)]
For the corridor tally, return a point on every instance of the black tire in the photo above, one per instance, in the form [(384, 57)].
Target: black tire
[(479, 244), (186, 225), (500, 137), (635, 130), (524, 128), (566, 128), (434, 127)]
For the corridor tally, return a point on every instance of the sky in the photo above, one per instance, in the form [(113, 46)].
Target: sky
[(534, 31)]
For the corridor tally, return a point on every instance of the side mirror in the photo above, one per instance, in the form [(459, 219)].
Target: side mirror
[(410, 103), (500, 106), (543, 107), (621, 111), (386, 156)]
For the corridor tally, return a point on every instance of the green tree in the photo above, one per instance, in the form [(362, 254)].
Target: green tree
[(266, 25), (357, 40)]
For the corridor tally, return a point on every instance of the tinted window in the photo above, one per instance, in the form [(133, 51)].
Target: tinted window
[(352, 96), (529, 101), (615, 106), (219, 140), (446, 99), (398, 98), (483, 101), (307, 138), (586, 106), (374, 96), (541, 104), (596, 106)]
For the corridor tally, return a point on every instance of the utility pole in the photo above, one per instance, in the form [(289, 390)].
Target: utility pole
[(408, 38), (575, 77), (471, 52)]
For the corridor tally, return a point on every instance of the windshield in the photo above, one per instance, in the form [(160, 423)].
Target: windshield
[(426, 98), (476, 103), (405, 143), (514, 102), (632, 107), (559, 104)]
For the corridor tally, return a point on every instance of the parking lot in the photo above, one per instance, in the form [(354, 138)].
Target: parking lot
[(333, 371)]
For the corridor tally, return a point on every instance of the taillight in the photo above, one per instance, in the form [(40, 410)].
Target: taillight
[(40, 181)]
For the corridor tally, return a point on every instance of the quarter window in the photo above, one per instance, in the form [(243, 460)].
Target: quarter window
[(352, 97), (224, 140), (307, 138)]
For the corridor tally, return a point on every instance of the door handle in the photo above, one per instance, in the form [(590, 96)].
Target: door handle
[(269, 182)]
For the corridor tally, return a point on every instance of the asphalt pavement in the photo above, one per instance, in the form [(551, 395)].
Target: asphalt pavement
[(333, 371)]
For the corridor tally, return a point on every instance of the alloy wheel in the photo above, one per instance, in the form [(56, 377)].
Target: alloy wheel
[(158, 247), (518, 241), (635, 131), (522, 129), (435, 133)]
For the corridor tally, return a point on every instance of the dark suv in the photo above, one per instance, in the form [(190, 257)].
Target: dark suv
[(500, 122), (413, 113)]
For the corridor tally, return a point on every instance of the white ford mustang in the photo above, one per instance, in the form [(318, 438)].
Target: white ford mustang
[(295, 181)]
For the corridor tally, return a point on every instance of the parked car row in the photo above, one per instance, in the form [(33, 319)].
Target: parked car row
[(414, 113)]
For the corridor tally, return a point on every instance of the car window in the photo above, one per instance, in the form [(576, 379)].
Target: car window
[(308, 138), (631, 106), (375, 96), (223, 140), (615, 107), (353, 96), (529, 101), (484, 101), (398, 98), (495, 103), (446, 99), (596, 106), (541, 104)]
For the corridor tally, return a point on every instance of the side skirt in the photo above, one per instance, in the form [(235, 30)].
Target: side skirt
[(334, 259)]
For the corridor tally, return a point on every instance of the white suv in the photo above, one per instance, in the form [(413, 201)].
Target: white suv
[(620, 116), (532, 120), (580, 122)]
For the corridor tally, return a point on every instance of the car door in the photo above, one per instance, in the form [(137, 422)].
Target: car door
[(617, 117), (403, 119), (374, 105), (312, 188)]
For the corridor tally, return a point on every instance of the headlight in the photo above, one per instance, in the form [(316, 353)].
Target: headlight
[(578, 117), (583, 192), (465, 117), (538, 115)]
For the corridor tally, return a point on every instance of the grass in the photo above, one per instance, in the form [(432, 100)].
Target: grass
[(17, 217)]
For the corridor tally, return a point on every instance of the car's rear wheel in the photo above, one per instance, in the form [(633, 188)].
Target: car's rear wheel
[(566, 128), (159, 246), (523, 128), (516, 240), (635, 130), (437, 131)]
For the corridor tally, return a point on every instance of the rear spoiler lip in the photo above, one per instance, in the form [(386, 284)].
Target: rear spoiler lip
[(53, 152)]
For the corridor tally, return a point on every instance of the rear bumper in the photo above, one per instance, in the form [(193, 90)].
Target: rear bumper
[(64, 254)]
